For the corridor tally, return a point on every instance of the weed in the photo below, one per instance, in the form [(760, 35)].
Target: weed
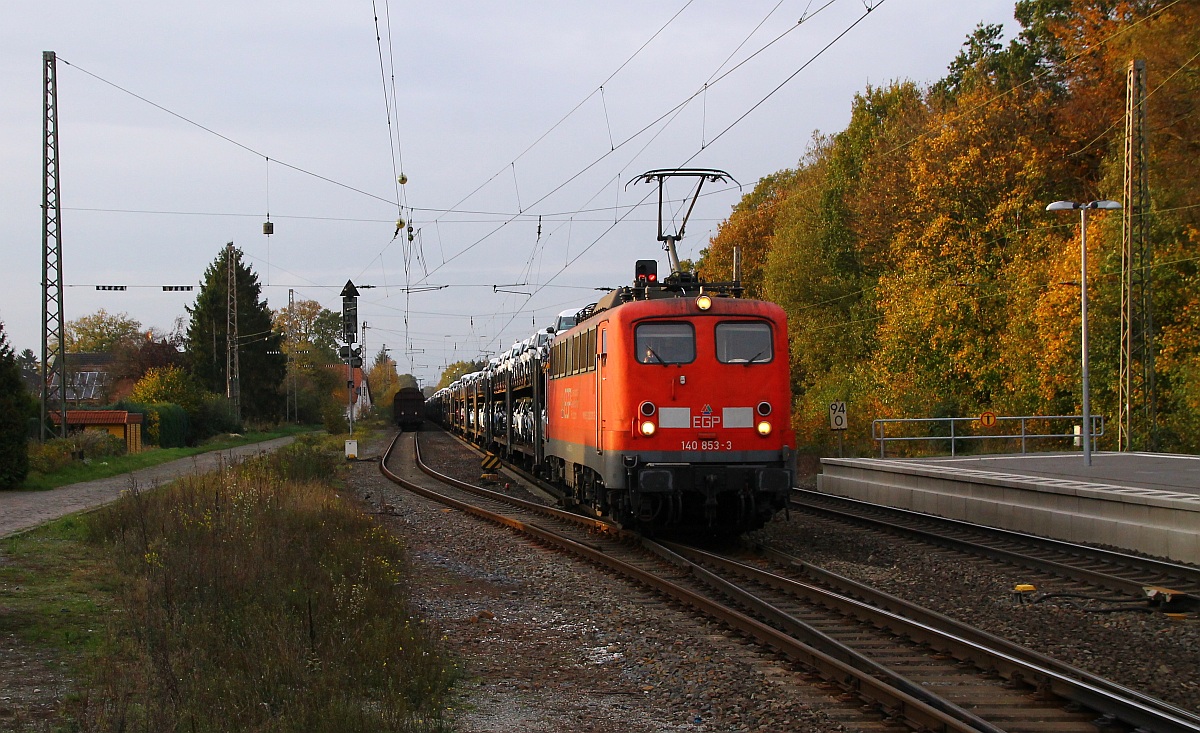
[(255, 599)]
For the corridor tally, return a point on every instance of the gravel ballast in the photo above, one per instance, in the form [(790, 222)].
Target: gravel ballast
[(550, 643), (1149, 652)]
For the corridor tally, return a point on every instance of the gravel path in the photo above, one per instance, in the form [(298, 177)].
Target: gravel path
[(21, 510)]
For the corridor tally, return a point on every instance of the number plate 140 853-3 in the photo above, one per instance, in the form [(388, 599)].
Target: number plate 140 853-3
[(706, 445)]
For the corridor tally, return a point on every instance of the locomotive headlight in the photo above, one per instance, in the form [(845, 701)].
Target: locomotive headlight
[(764, 427), (703, 302), (647, 408), (647, 428)]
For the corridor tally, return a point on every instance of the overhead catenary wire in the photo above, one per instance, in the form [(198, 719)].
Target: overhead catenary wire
[(418, 258), (664, 116), (226, 138), (671, 113)]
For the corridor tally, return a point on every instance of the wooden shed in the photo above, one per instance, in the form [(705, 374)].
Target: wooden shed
[(124, 425)]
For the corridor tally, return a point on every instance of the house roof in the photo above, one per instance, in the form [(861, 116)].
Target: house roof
[(88, 360), (99, 417)]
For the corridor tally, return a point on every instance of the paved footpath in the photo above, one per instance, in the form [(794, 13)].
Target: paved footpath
[(20, 510)]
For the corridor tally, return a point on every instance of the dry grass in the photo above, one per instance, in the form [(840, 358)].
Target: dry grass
[(255, 599)]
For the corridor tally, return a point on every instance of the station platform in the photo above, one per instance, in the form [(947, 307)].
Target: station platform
[(1141, 502)]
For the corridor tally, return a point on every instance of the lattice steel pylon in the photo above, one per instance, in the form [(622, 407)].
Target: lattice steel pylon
[(1136, 416), (53, 336), (233, 390), (291, 366)]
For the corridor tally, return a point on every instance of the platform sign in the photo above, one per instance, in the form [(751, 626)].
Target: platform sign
[(988, 419), (837, 415)]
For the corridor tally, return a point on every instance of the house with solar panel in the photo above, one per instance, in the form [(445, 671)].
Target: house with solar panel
[(89, 379)]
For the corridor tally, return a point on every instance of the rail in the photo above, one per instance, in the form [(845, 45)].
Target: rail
[(879, 429)]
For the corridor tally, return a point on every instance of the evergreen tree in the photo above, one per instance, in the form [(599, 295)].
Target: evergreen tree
[(15, 410), (263, 365)]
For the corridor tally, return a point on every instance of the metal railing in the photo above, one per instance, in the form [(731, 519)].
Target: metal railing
[(879, 430)]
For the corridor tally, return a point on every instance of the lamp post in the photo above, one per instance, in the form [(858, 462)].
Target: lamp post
[(1086, 430)]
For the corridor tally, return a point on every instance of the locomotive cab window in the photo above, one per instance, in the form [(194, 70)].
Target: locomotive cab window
[(743, 343), (665, 343)]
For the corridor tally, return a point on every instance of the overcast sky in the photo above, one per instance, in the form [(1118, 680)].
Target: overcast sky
[(504, 114)]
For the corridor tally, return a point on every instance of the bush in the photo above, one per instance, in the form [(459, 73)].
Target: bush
[(50, 456), (92, 444), (163, 424), (213, 416), (56, 454), (333, 416)]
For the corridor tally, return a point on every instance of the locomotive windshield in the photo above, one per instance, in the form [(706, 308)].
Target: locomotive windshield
[(665, 343), (743, 343)]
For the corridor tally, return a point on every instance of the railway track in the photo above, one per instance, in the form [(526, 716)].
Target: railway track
[(1168, 586), (903, 668), (929, 649)]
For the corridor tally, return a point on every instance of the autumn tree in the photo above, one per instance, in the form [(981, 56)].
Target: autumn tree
[(912, 253), (169, 384), (135, 358), (309, 328), (457, 370), (385, 382), (309, 334), (101, 332), (749, 228), (263, 365)]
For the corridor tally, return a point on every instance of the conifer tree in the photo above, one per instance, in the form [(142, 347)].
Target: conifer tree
[(263, 365), (15, 410)]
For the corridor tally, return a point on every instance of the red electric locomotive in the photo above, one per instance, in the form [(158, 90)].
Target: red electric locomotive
[(668, 406), (665, 405)]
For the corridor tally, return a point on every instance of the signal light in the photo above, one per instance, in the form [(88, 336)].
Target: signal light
[(647, 427), (645, 272), (703, 302), (764, 428)]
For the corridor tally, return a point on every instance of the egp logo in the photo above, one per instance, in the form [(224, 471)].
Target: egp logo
[(706, 419)]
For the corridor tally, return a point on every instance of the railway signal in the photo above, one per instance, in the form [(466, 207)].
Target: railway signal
[(349, 312), (351, 356), (349, 330)]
